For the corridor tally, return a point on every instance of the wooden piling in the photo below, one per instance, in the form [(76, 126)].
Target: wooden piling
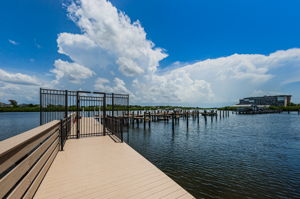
[(132, 119), (187, 119), (145, 119), (173, 120), (149, 120)]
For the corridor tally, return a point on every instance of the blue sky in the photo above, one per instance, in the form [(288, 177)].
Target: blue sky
[(197, 29), (251, 43)]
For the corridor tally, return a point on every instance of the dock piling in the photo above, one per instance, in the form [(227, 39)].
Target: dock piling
[(149, 120)]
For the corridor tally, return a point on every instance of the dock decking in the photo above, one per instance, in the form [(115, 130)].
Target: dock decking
[(97, 167)]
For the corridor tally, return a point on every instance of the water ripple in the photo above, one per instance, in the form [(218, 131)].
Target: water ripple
[(256, 156)]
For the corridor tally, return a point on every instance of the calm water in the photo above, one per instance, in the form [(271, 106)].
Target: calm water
[(17, 122), (241, 156)]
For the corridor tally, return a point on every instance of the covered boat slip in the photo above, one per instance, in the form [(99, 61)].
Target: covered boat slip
[(98, 167)]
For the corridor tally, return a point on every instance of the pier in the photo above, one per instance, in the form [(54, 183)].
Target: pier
[(80, 154), (40, 164), (145, 117), (252, 112), (97, 167)]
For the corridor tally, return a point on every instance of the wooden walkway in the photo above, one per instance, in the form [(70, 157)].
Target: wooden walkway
[(88, 126), (97, 167)]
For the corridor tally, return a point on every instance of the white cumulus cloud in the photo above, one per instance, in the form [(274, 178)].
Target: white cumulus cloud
[(117, 86), (108, 37), (20, 87), (114, 54), (18, 78), (72, 71)]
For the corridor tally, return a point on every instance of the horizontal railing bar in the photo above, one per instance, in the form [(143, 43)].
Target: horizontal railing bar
[(36, 174), (15, 148), (10, 179), (15, 141), (43, 90)]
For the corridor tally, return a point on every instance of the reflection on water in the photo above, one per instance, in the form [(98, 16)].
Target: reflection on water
[(241, 156)]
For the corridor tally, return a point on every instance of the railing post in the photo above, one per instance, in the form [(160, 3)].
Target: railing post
[(41, 122), (104, 114), (114, 126), (61, 135), (77, 115), (128, 111), (121, 129), (66, 104), (112, 105), (66, 111), (68, 126)]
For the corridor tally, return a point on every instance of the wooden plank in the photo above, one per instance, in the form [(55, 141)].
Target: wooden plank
[(15, 148), (88, 126), (11, 158), (36, 174), (17, 140), (153, 188), (175, 194), (107, 180), (10, 179), (164, 192), (97, 167), (185, 196)]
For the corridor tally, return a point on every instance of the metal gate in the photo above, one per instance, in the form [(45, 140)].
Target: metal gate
[(87, 113), (90, 114)]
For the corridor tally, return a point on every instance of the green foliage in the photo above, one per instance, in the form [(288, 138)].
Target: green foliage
[(19, 109), (137, 107), (230, 108), (36, 108), (292, 104), (49, 108), (293, 107), (33, 105), (14, 103)]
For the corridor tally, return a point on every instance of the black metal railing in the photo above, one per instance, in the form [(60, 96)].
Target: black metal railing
[(114, 126), (65, 129), (89, 111)]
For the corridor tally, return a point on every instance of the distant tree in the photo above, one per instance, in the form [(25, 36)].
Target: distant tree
[(292, 104), (14, 103)]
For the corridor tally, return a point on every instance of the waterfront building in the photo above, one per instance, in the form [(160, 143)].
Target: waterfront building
[(5, 105), (275, 100)]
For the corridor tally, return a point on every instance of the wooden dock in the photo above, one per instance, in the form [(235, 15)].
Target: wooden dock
[(135, 118), (97, 167), (33, 165), (254, 112)]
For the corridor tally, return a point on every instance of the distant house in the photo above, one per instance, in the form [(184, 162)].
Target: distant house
[(275, 100), (5, 105)]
